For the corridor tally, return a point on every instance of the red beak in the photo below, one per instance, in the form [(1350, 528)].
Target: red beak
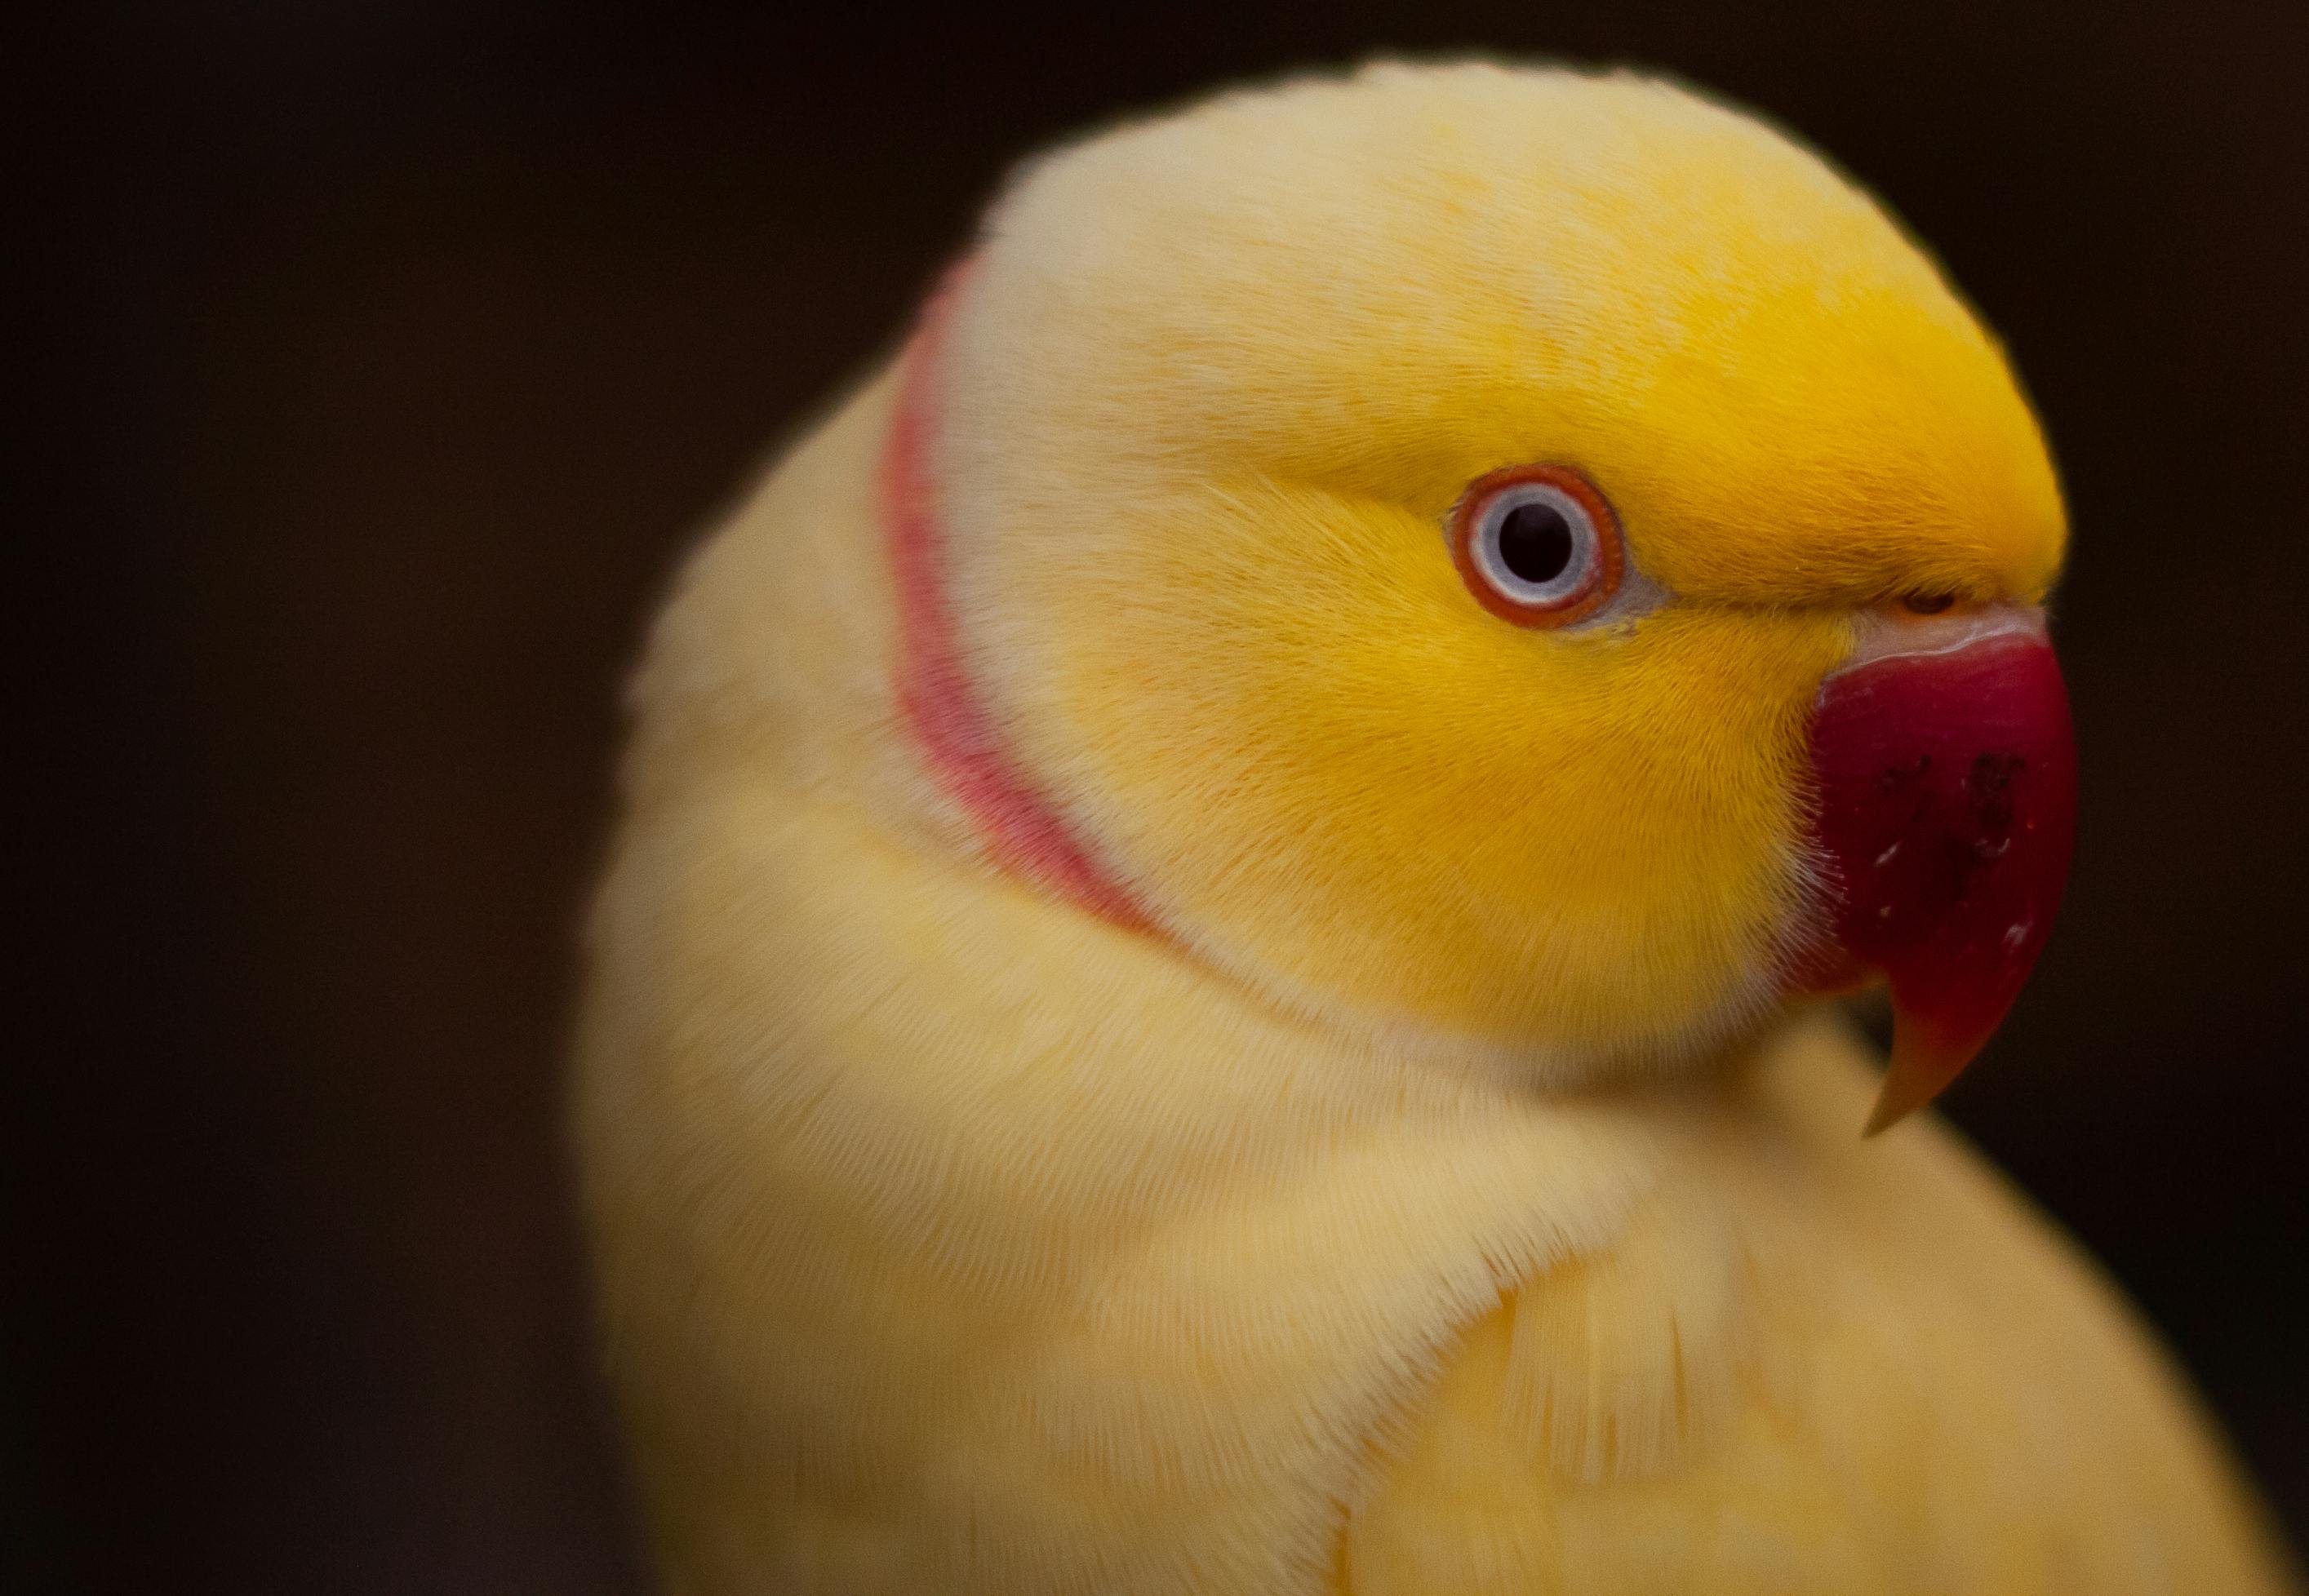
[(1947, 791)]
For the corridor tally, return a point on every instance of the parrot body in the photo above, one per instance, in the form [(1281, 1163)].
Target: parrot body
[(1037, 1142)]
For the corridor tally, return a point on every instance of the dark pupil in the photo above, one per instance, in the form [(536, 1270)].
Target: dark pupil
[(1536, 543)]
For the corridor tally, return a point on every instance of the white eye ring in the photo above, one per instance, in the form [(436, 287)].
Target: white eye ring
[(1537, 545)]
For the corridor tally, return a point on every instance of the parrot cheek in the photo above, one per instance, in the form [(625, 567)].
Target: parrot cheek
[(1945, 808)]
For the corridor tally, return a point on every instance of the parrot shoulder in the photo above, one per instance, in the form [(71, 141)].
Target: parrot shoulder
[(1811, 1364)]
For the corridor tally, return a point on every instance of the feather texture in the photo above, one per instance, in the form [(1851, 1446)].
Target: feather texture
[(1427, 1211)]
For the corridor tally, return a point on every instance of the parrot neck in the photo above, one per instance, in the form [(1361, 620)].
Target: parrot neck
[(959, 736)]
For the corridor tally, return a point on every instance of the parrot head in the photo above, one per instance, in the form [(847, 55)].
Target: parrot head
[(1509, 559)]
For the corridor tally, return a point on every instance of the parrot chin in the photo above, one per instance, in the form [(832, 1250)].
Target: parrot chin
[(1945, 799)]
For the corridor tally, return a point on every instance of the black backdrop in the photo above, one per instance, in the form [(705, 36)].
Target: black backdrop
[(394, 349)]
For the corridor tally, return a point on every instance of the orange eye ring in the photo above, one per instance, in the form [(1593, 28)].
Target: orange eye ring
[(1537, 545)]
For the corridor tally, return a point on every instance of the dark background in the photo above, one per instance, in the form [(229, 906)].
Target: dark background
[(388, 355)]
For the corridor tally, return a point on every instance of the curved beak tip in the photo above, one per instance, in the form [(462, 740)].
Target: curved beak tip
[(1920, 1069)]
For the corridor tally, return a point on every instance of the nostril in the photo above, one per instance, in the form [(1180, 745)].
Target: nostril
[(1926, 603), (1898, 629)]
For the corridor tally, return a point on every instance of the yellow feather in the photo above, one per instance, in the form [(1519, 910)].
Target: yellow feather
[(952, 1240), (1811, 1365), (1216, 383)]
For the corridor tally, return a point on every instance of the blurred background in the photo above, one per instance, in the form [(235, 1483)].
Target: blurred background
[(386, 355)]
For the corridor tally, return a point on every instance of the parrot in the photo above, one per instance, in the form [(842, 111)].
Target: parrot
[(1224, 966)]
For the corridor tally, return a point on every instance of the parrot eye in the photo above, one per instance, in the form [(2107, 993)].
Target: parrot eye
[(1537, 545)]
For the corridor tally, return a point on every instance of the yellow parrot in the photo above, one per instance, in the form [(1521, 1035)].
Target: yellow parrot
[(1211, 981)]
